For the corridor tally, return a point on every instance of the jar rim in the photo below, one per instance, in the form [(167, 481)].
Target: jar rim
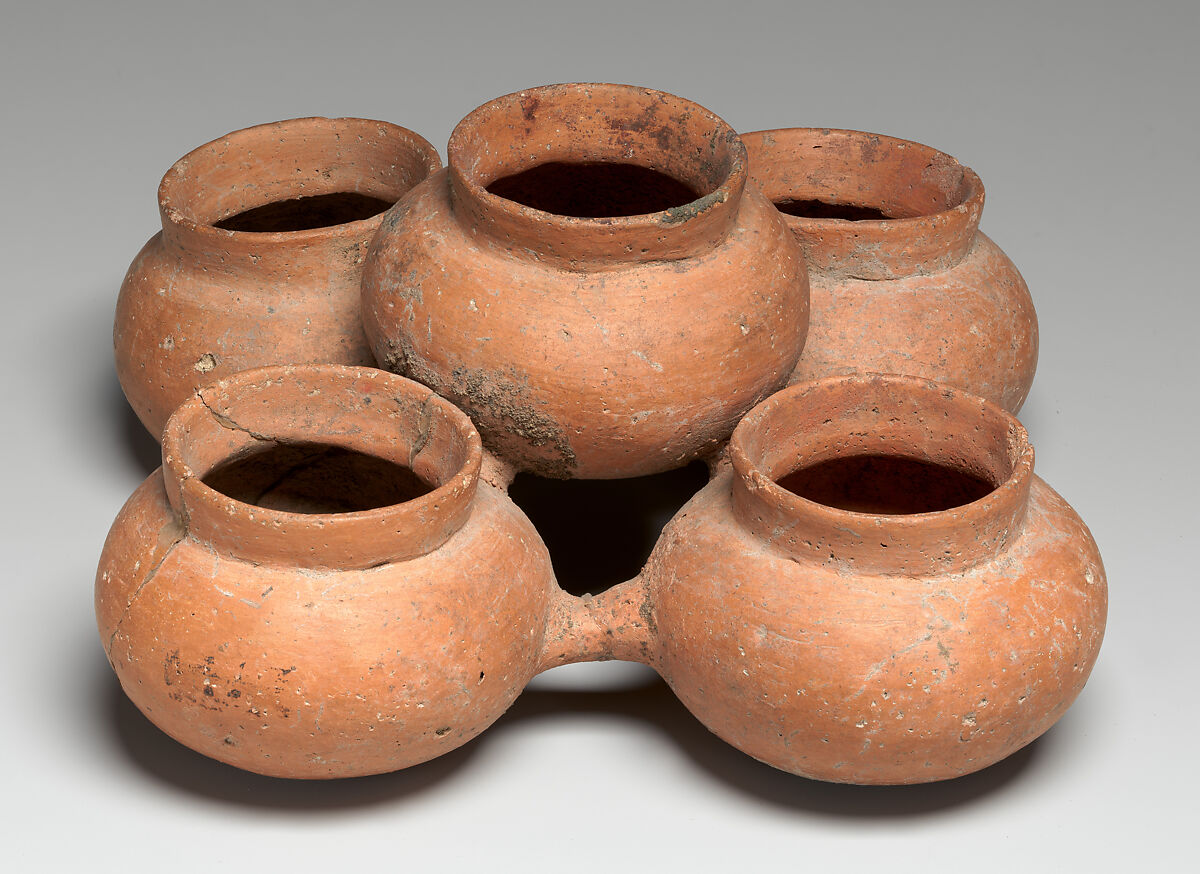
[(358, 408), (178, 212), (603, 123), (967, 192), (870, 170), (832, 417)]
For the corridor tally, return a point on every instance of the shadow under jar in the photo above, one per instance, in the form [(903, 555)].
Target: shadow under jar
[(901, 279), (878, 589), (260, 257), (317, 583), (591, 280)]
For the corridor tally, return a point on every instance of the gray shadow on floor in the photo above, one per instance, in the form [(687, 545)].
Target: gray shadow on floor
[(651, 701), (156, 754)]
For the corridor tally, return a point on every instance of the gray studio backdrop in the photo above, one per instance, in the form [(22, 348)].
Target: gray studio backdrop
[(1080, 118)]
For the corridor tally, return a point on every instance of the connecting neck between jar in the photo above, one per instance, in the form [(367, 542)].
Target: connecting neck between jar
[(282, 161), (358, 409), (579, 124), (932, 203), (892, 417)]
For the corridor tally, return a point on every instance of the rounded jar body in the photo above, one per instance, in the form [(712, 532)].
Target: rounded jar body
[(901, 279), (312, 644), (260, 258), (591, 280), (878, 647)]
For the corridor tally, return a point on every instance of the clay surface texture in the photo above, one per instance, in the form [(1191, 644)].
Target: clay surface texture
[(321, 644), (327, 576), (911, 638), (624, 333), (901, 641), (901, 278), (260, 257)]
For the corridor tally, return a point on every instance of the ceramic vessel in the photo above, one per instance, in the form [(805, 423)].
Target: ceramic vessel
[(878, 589), (260, 256), (902, 281), (592, 280), (317, 583)]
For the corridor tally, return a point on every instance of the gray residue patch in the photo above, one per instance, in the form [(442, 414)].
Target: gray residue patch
[(505, 401), (678, 214)]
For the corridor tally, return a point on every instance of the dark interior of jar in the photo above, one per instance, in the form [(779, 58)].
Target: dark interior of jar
[(596, 151), (306, 213), (315, 478), (593, 189), (298, 175), (827, 209), (886, 485)]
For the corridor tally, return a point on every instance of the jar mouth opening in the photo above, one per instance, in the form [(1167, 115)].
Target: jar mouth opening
[(879, 484), (295, 179), (594, 189), (326, 445), (823, 176), (313, 478), (597, 153), (898, 450)]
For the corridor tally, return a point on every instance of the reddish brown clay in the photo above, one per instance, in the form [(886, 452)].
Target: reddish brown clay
[(591, 280), (260, 256), (876, 589), (878, 644), (321, 625), (902, 280)]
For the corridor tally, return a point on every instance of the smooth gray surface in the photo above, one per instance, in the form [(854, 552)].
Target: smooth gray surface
[(1081, 119)]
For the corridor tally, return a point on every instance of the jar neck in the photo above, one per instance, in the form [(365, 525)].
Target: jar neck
[(303, 163), (881, 418), (577, 127), (357, 409), (866, 206)]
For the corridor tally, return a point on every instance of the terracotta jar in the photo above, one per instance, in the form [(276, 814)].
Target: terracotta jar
[(260, 256), (902, 280), (878, 589), (592, 280), (317, 583)]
